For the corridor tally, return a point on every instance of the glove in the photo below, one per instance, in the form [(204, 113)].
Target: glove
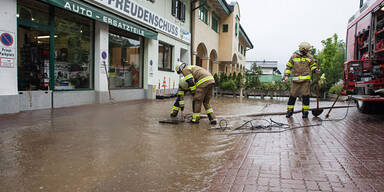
[(174, 113)]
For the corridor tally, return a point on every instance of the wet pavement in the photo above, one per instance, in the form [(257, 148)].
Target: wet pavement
[(122, 147)]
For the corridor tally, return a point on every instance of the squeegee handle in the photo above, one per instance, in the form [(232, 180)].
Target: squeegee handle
[(332, 105)]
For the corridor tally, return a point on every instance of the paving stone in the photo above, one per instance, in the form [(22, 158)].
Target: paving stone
[(336, 156)]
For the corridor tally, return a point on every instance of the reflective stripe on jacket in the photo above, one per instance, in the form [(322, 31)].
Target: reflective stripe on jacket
[(200, 76)]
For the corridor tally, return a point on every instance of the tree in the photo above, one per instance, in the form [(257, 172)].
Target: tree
[(252, 76), (331, 59)]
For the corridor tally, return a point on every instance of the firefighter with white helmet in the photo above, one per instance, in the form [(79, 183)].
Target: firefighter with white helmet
[(200, 83), (299, 67)]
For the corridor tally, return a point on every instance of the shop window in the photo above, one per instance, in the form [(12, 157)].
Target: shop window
[(225, 28), (165, 57), (73, 51), (178, 10), (204, 14), (33, 62), (215, 22), (36, 12), (125, 53)]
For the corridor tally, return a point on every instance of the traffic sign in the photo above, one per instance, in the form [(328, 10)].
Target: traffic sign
[(104, 55), (6, 39)]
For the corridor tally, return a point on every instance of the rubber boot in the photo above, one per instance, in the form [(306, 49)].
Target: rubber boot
[(212, 120), (194, 122), (305, 114), (289, 114)]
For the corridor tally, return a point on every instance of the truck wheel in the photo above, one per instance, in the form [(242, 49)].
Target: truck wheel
[(364, 106)]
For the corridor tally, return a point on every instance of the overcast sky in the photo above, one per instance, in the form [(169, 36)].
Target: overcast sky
[(276, 27)]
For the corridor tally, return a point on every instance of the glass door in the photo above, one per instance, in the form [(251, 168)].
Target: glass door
[(33, 68)]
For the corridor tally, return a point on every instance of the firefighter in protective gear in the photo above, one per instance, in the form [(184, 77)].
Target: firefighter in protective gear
[(201, 84), (299, 67), (179, 104)]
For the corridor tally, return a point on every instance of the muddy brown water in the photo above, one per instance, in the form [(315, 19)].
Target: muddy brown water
[(114, 147)]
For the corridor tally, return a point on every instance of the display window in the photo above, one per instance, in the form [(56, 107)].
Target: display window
[(33, 62), (33, 47), (125, 58), (36, 12), (165, 57), (55, 48), (73, 51)]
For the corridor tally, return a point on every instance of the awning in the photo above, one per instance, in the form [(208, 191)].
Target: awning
[(95, 13)]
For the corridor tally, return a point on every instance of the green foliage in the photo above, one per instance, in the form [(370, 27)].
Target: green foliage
[(229, 85), (277, 86), (234, 76), (217, 80), (331, 59), (336, 89), (252, 77)]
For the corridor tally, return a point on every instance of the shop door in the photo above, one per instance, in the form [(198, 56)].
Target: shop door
[(33, 68)]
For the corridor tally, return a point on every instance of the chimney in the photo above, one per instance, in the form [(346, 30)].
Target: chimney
[(361, 3)]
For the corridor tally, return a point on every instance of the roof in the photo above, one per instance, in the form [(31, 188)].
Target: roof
[(222, 6), (265, 64), (247, 40)]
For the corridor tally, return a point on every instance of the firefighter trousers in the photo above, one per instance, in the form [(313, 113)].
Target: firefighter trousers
[(292, 101), (202, 96)]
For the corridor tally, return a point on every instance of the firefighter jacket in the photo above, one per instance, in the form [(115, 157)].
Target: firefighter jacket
[(300, 67), (197, 76)]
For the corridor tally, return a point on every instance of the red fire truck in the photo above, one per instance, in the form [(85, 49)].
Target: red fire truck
[(364, 59)]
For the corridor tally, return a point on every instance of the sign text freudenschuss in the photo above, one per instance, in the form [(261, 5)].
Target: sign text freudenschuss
[(142, 14)]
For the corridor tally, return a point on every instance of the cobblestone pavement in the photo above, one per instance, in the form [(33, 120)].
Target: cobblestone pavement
[(345, 155), (122, 147)]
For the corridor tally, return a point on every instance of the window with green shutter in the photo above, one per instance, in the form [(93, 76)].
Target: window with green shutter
[(225, 28), (204, 14), (236, 29), (215, 22)]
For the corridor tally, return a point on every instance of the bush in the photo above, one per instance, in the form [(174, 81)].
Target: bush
[(228, 85), (336, 89)]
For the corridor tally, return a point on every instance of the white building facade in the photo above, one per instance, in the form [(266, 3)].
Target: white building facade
[(59, 53)]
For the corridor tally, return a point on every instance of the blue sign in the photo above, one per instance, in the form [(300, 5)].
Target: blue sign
[(104, 55), (6, 39)]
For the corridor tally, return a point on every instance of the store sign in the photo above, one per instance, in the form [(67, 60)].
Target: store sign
[(7, 49), (102, 16), (142, 14)]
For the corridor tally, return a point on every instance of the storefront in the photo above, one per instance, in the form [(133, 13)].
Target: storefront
[(69, 53)]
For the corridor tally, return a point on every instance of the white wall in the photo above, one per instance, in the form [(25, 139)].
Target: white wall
[(8, 22), (153, 48), (267, 71), (101, 44)]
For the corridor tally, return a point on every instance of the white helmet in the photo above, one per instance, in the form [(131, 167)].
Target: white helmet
[(305, 47), (183, 84), (179, 67)]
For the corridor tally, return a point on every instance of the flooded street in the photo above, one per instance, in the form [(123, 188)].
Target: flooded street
[(122, 147)]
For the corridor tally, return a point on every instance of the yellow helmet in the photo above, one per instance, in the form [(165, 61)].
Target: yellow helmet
[(179, 67), (305, 47), (183, 84)]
